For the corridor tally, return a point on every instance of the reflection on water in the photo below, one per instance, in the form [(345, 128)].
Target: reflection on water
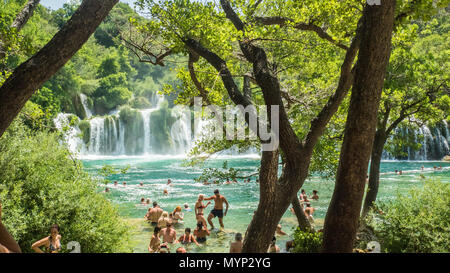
[(243, 197)]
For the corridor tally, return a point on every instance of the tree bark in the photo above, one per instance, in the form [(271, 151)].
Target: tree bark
[(303, 222), (374, 172), (341, 221), (25, 14), (30, 75)]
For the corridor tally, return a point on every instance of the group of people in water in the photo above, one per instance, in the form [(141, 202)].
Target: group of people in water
[(163, 222)]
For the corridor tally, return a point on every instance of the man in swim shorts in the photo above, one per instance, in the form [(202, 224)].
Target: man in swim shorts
[(218, 208)]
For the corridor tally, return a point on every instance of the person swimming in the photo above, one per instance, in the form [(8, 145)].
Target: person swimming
[(155, 242), (187, 237), (142, 201), (186, 207), (201, 232), (177, 215), (236, 246), (315, 196), (52, 243)]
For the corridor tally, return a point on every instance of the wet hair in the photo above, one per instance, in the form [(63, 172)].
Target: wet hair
[(156, 230), (186, 205), (142, 199), (200, 225), (303, 190), (155, 203), (216, 191), (238, 237), (308, 205), (314, 191), (188, 230)]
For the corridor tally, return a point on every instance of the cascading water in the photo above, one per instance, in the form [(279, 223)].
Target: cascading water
[(88, 111), (71, 136)]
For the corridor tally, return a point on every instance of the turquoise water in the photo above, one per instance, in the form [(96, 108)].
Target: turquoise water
[(154, 171)]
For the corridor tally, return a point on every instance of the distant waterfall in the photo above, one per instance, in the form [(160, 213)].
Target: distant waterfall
[(434, 143)]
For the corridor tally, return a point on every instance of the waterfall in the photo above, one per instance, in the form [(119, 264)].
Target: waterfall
[(83, 99), (71, 133), (146, 125)]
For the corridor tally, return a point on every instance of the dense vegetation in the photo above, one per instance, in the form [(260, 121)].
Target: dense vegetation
[(41, 184)]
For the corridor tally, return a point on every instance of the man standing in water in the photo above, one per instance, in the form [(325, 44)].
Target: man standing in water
[(218, 208), (154, 214)]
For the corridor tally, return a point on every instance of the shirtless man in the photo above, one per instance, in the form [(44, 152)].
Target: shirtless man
[(169, 234), (309, 209), (218, 208), (199, 207), (155, 242), (279, 231), (153, 214), (315, 196), (236, 246), (169, 182)]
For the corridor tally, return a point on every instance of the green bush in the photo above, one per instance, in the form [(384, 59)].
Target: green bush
[(41, 185), (140, 103), (418, 222), (85, 128), (307, 242)]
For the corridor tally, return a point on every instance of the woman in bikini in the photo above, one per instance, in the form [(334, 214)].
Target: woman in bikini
[(201, 232), (187, 237), (51, 243), (177, 215), (199, 207)]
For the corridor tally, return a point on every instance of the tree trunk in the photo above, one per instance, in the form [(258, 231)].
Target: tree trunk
[(25, 14), (303, 222), (341, 221), (374, 172), (30, 75)]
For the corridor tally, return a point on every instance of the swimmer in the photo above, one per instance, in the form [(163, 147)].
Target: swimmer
[(163, 220), (141, 184), (155, 242), (142, 201), (315, 196), (147, 202), (201, 232), (154, 214), (177, 215), (169, 182), (186, 207), (124, 183), (115, 183), (169, 234), (302, 193), (187, 237), (205, 182), (236, 246), (181, 250), (107, 189), (165, 191), (273, 248), (279, 231)]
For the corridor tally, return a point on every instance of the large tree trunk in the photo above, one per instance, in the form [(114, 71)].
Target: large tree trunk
[(374, 172), (341, 221), (30, 75)]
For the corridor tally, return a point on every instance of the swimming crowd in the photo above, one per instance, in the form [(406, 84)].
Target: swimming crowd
[(164, 234)]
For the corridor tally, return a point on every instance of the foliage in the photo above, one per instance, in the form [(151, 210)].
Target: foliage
[(307, 242), (42, 185), (418, 222), (108, 170)]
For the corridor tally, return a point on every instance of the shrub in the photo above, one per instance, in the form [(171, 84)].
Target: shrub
[(418, 222), (41, 185), (85, 128), (307, 242)]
